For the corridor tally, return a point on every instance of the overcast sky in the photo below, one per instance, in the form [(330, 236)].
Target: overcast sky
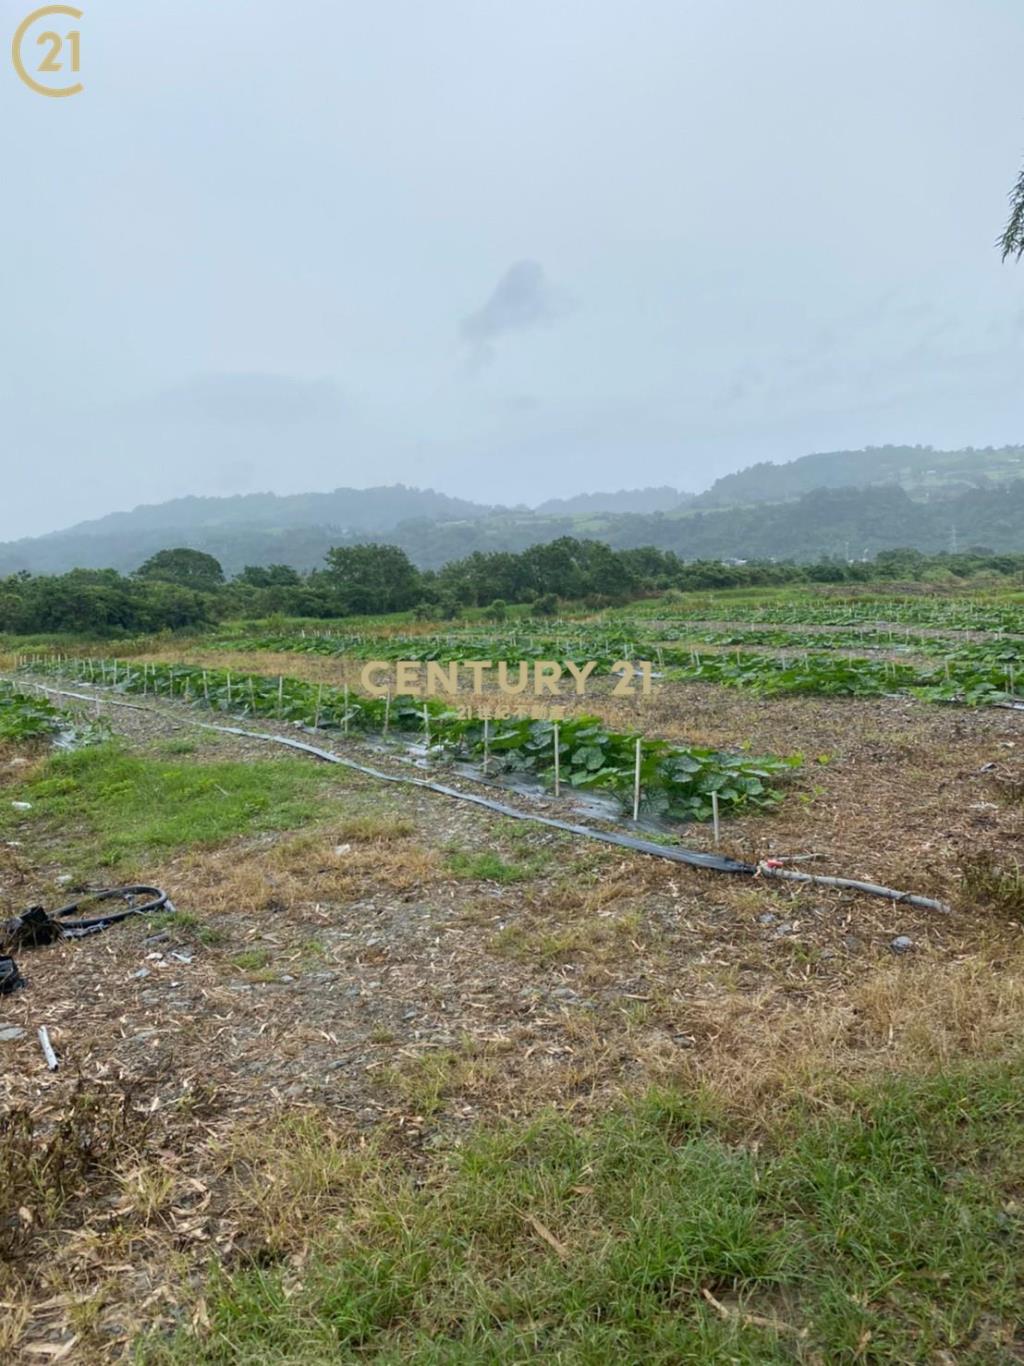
[(509, 250)]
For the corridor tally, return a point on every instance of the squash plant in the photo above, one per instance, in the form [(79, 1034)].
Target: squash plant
[(676, 781)]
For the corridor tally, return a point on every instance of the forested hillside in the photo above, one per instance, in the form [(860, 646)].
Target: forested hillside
[(920, 470), (433, 529)]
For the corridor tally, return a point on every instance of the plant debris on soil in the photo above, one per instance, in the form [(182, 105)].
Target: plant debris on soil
[(400, 973)]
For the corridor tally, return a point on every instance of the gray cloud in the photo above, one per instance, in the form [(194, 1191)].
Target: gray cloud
[(522, 299)]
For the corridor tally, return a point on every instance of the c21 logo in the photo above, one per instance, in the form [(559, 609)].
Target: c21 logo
[(60, 51)]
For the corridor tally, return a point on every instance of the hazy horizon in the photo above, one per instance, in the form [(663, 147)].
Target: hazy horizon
[(509, 254)]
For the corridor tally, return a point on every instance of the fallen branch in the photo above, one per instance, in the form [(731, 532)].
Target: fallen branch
[(746, 1318)]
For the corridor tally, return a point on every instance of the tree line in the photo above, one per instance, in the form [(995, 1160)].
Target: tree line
[(181, 589)]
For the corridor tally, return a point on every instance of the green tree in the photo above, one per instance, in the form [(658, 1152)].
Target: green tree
[(269, 576), (186, 568), (374, 578)]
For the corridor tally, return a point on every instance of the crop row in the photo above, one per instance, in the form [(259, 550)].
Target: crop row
[(967, 683), (953, 615), (24, 716), (971, 672), (581, 644), (676, 783), (1006, 652)]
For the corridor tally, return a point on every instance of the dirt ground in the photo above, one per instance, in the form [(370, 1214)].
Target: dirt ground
[(378, 968)]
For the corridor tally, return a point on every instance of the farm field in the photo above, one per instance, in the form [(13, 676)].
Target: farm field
[(405, 1078)]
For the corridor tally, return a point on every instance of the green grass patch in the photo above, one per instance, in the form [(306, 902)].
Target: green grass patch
[(994, 885), (252, 960), (110, 807), (186, 925), (887, 1228), (491, 867)]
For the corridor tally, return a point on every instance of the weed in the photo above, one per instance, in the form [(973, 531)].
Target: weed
[(252, 960), (487, 867), (187, 924), (42, 1168), (994, 886)]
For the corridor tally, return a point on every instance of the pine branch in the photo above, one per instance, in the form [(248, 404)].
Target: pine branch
[(1012, 240)]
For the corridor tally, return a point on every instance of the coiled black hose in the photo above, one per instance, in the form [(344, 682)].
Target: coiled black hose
[(35, 928)]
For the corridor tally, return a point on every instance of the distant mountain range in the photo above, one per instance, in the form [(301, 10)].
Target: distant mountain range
[(662, 499), (843, 504), (299, 529), (920, 471)]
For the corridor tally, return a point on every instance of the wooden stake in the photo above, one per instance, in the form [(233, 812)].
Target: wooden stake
[(558, 761), (319, 700), (387, 711), (636, 781), (487, 743), (714, 816), (345, 723)]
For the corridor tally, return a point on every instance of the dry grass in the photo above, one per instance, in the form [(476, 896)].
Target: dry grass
[(21, 761), (759, 1053), (272, 1188), (995, 883), (342, 990), (329, 866)]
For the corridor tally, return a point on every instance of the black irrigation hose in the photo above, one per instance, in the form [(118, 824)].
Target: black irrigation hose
[(34, 928), (156, 900), (716, 863)]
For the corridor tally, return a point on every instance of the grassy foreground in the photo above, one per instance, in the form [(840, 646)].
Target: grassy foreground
[(886, 1229), (876, 1221), (110, 807)]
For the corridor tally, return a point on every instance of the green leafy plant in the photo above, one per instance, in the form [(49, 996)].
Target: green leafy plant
[(676, 782)]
